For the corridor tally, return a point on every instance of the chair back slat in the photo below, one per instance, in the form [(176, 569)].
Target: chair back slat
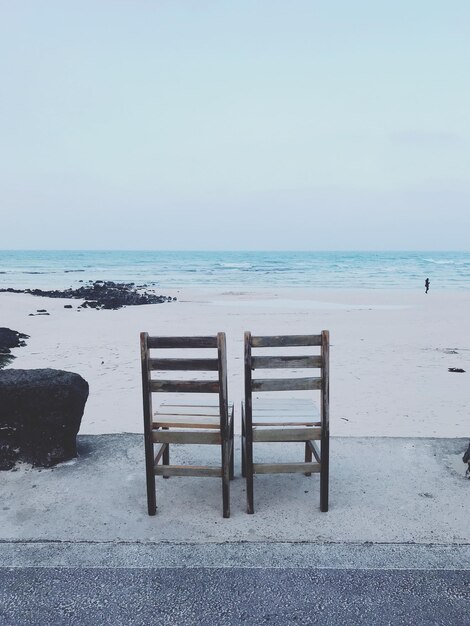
[(284, 341), (182, 342), (202, 365), (291, 362), (285, 384)]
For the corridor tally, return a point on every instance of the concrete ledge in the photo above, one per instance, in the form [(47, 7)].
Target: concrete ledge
[(383, 490), (241, 555)]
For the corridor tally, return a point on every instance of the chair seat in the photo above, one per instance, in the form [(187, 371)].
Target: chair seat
[(200, 416), (285, 412)]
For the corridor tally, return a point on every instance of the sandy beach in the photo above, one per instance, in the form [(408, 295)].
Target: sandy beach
[(390, 351)]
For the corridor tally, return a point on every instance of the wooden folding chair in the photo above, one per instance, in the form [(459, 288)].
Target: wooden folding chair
[(177, 422), (286, 419)]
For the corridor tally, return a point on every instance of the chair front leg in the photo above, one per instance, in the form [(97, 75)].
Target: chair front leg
[(324, 474), (150, 475), (226, 477), (243, 444), (232, 449)]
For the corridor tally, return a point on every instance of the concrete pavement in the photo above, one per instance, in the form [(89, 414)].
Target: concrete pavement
[(386, 490), (77, 546)]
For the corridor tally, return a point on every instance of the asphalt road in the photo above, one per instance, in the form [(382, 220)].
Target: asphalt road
[(46, 596)]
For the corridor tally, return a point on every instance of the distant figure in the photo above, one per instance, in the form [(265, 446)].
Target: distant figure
[(466, 459), (426, 284)]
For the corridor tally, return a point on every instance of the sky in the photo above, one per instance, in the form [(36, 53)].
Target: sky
[(235, 124)]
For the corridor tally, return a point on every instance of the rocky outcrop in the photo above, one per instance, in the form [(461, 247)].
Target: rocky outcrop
[(101, 295), (40, 415), (9, 339)]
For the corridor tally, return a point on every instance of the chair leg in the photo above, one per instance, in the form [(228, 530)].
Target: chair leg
[(151, 497), (243, 448), (166, 455), (250, 507), (308, 456), (232, 452), (150, 475), (324, 472), (226, 478)]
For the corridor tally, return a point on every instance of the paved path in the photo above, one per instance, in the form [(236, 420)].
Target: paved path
[(223, 584)]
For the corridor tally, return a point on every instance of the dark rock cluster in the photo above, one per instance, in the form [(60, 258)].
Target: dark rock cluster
[(9, 339), (101, 295), (40, 415)]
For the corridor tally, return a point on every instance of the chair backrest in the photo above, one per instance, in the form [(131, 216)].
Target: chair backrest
[(319, 361), (154, 364)]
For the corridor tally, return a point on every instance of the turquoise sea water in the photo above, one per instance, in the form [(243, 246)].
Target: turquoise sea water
[(170, 269)]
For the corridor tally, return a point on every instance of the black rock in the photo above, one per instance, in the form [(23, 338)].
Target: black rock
[(9, 339), (68, 306), (101, 295), (40, 415)]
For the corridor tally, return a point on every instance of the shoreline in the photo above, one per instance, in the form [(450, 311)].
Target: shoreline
[(390, 354)]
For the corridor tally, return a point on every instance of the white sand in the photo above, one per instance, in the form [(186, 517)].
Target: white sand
[(390, 353)]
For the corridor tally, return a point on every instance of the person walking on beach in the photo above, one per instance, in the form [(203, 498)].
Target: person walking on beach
[(426, 284)]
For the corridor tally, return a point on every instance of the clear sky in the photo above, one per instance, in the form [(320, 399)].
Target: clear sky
[(235, 124)]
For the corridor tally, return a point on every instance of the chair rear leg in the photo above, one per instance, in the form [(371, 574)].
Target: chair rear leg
[(166, 455)]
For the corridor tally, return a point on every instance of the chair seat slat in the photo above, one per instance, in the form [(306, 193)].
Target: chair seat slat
[(285, 412), (275, 417), (299, 423), (186, 421), (294, 407), (168, 407)]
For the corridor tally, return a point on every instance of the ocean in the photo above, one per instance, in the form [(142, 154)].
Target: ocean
[(56, 269)]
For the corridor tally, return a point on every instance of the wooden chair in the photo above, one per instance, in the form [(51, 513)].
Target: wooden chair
[(286, 419), (186, 423)]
